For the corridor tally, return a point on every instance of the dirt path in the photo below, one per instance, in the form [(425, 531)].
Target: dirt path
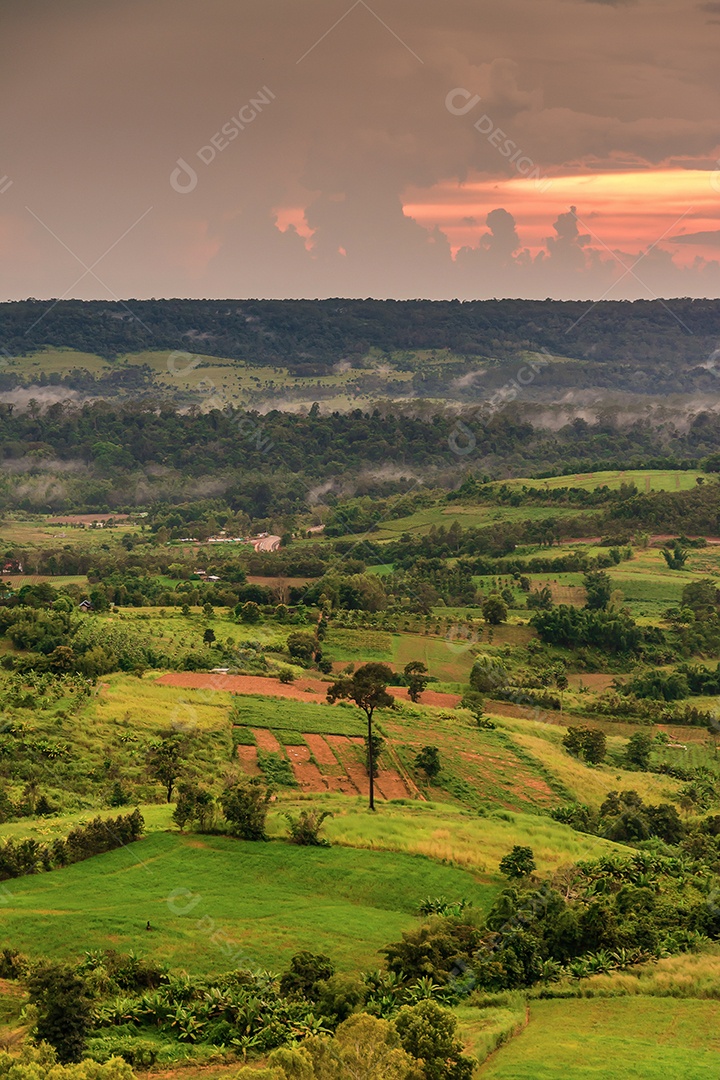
[(266, 543)]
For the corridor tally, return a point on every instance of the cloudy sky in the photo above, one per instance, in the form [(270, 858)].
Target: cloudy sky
[(396, 148)]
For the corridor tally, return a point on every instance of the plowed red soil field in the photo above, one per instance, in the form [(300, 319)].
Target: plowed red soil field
[(302, 690), (326, 763), (305, 689)]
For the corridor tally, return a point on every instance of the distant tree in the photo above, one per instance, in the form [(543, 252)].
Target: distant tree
[(374, 747), (675, 555), (165, 762), (367, 687), (245, 806), (587, 743), (638, 749), (99, 600), (250, 612), (208, 611), (118, 795), (540, 599), (599, 588), (416, 678), (64, 1009), (429, 1032), (301, 646), (494, 610), (429, 761), (487, 674), (562, 683), (518, 863), (702, 597), (195, 805), (63, 659), (665, 822), (306, 974), (209, 636)]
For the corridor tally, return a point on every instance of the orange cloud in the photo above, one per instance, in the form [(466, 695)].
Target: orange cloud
[(626, 211)]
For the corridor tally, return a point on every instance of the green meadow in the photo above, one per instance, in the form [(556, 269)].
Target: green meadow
[(626, 1039), (215, 903)]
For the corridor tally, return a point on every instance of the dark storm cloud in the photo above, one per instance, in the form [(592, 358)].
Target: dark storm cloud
[(349, 114)]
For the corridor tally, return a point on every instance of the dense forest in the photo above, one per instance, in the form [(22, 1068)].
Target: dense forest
[(102, 457), (652, 346)]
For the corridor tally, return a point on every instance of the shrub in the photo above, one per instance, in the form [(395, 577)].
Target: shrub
[(436, 950), (64, 1011), (277, 770), (140, 1053), (637, 751), (340, 996), (245, 806), (428, 1032), (307, 971), (518, 863), (40, 1063), (429, 761), (363, 1046), (195, 806), (13, 964), (586, 742), (577, 816), (305, 829)]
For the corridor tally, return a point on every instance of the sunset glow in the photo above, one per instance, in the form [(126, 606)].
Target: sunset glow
[(625, 211)]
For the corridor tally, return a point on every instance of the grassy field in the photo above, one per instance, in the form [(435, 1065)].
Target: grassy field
[(245, 383), (252, 710), (448, 659), (644, 480), (588, 785), (638, 1039), (215, 903), (158, 818), (449, 834), (469, 516)]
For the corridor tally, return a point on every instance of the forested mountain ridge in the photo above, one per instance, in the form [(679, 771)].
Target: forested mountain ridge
[(673, 339)]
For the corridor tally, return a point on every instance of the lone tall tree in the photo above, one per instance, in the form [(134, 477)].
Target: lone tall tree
[(367, 687), (416, 674), (165, 761)]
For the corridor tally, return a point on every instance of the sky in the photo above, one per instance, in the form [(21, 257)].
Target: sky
[(396, 148)]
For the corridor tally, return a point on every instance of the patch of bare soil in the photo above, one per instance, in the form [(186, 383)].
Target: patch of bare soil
[(266, 741), (320, 750), (313, 689), (247, 756)]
